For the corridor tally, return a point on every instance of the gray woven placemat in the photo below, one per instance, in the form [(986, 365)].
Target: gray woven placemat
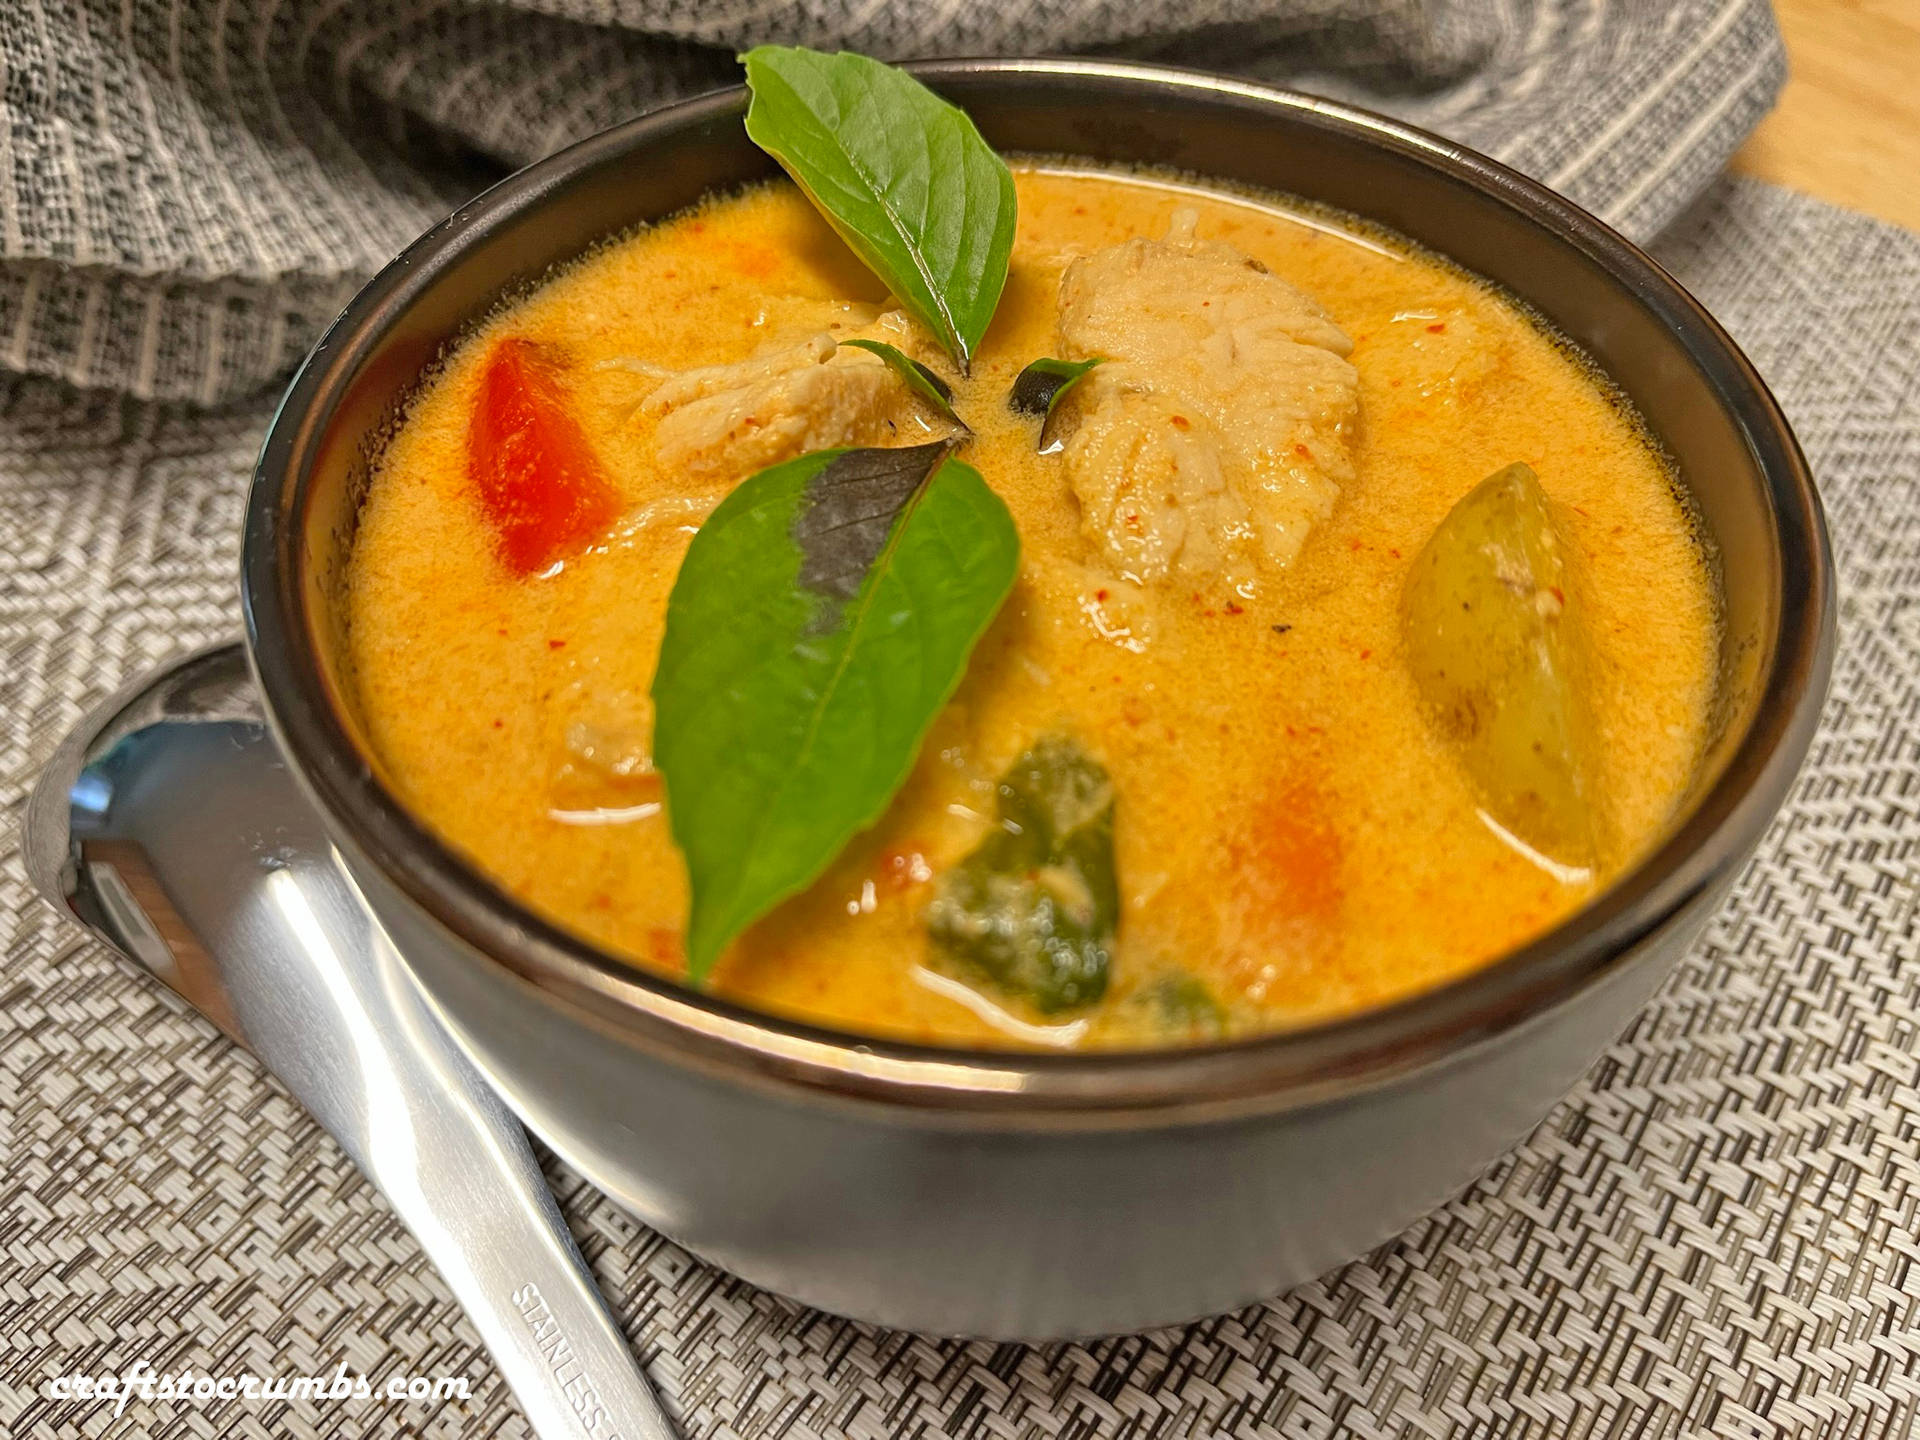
[(1715, 1235)]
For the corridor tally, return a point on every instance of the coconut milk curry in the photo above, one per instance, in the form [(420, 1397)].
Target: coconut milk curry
[(1292, 709)]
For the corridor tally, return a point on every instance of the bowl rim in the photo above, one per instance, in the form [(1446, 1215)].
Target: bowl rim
[(1310, 1064)]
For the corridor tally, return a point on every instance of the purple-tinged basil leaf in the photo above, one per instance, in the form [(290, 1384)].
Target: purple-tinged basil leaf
[(822, 617), (1039, 389)]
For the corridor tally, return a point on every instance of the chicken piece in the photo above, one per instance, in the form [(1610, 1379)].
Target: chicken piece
[(605, 775), (1151, 486), (1221, 428), (1441, 351), (732, 420)]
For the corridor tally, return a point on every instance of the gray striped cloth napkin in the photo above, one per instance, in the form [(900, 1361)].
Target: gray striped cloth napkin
[(1715, 1235)]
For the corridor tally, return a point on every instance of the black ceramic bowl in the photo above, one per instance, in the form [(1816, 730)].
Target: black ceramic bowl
[(1012, 1194)]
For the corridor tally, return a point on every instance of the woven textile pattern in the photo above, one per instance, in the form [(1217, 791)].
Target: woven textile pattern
[(1715, 1235), (189, 190)]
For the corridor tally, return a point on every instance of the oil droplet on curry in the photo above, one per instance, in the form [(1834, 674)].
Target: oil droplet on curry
[(1341, 716)]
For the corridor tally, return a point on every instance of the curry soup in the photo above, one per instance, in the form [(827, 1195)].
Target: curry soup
[(1293, 835)]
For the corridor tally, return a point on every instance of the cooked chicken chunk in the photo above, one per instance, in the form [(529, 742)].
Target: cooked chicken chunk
[(1445, 352), (1221, 428), (734, 419)]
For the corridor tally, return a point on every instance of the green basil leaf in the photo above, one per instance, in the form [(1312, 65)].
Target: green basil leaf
[(823, 615), (1040, 387), (903, 176), (919, 378)]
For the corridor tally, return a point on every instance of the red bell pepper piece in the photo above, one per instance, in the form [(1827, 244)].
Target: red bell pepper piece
[(531, 463)]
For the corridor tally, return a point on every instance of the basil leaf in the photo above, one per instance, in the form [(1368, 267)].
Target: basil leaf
[(823, 615), (1039, 388), (919, 378), (903, 176)]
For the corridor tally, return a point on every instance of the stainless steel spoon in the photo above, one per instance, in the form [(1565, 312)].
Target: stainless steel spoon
[(167, 822)]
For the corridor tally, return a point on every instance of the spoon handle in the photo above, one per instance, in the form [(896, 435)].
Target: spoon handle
[(455, 1164), (188, 846)]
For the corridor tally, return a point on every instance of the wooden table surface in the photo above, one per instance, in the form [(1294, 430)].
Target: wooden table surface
[(1848, 124)]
